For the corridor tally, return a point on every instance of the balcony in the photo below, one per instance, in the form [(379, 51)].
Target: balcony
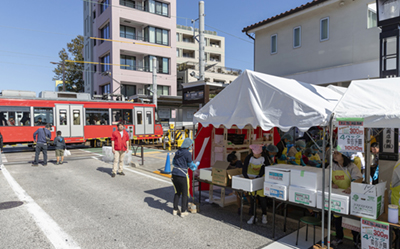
[(212, 69), (158, 8)]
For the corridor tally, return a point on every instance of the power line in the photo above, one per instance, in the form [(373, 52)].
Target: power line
[(230, 34)]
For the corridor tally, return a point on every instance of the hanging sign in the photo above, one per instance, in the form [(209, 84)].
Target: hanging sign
[(374, 234), (351, 135)]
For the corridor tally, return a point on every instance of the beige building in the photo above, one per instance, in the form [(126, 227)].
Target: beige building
[(187, 57), (321, 42)]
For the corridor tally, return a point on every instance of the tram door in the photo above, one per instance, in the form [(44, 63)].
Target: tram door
[(144, 120), (69, 120)]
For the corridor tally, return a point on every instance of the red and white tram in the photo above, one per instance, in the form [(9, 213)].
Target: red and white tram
[(79, 118)]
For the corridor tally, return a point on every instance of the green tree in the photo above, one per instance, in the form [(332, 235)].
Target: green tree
[(73, 70)]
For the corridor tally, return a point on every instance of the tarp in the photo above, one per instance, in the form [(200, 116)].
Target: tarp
[(377, 101), (269, 101), (338, 89)]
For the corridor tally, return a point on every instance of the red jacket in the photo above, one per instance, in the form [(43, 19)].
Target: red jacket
[(120, 142)]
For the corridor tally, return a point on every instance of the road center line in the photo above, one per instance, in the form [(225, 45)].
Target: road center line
[(50, 228)]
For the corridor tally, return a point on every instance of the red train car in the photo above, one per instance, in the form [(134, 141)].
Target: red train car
[(79, 118)]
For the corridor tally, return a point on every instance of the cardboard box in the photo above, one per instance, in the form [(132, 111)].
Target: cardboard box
[(206, 174), (276, 175), (308, 177), (278, 191), (221, 175), (302, 195), (340, 202), (246, 184), (367, 200)]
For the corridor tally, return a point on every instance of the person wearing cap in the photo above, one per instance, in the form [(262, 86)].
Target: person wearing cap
[(374, 170), (315, 156), (308, 159), (281, 156), (41, 137), (295, 155), (270, 152), (180, 178), (344, 171), (254, 165)]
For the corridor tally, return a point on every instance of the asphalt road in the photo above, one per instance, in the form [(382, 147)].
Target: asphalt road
[(79, 205)]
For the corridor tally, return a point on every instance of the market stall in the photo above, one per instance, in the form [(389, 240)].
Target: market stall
[(264, 101)]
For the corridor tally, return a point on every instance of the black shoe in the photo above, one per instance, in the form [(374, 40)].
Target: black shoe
[(112, 175), (35, 165), (121, 173)]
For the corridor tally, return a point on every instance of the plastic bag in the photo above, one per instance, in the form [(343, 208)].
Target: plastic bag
[(128, 158), (67, 152), (108, 156)]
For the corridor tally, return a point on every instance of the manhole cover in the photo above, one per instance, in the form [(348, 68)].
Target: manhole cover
[(10, 204)]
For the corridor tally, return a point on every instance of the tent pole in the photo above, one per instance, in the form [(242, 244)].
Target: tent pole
[(330, 177), (323, 188), (368, 156)]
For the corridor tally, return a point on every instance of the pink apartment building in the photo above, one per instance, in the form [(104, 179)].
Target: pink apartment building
[(148, 22)]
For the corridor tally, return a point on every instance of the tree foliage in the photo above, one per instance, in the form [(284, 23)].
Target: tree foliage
[(73, 71)]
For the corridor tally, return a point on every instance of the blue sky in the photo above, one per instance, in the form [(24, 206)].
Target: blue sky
[(33, 32)]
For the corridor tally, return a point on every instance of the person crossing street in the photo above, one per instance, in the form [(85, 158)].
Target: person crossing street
[(41, 137), (120, 144)]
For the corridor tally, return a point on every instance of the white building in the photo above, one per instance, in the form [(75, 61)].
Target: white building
[(321, 42)]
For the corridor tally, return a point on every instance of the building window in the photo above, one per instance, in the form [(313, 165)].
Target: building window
[(94, 15), (128, 62), (127, 32), (156, 35), (177, 37), (97, 116), (324, 34), (105, 32), (128, 90), (15, 116), (274, 44), (105, 89), (161, 90), (105, 63), (121, 116), (104, 5), (42, 116), (177, 52), (157, 7), (297, 37), (372, 17), (162, 64), (127, 3)]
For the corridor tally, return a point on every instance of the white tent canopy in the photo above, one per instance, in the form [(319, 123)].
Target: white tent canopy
[(377, 101), (269, 101), (338, 89)]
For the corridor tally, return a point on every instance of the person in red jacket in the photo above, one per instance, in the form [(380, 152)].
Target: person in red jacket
[(120, 144)]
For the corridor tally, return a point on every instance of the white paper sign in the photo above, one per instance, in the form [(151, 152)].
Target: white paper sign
[(351, 135), (374, 234), (388, 140)]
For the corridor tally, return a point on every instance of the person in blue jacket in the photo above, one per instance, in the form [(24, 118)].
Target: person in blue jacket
[(182, 161)]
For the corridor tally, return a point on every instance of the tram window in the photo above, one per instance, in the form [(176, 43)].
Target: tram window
[(77, 117), (97, 116), (139, 117), (148, 115), (15, 116), (122, 116), (43, 116), (63, 117)]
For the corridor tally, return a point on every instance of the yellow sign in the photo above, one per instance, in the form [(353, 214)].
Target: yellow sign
[(59, 82), (171, 126)]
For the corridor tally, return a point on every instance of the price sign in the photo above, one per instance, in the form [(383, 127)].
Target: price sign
[(374, 234), (351, 135)]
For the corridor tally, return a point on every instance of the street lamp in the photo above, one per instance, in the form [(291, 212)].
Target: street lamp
[(63, 71), (388, 15)]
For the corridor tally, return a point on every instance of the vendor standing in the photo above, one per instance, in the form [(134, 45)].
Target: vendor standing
[(270, 152), (182, 161), (343, 173), (296, 153), (282, 148), (374, 170), (254, 165)]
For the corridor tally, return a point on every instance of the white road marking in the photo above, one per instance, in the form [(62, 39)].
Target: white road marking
[(140, 173), (50, 228), (3, 158), (91, 152)]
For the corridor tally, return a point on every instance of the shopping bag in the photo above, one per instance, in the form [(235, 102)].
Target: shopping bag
[(108, 155), (67, 153), (128, 158)]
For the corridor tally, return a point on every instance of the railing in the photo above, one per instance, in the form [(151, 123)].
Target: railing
[(211, 69), (196, 30), (140, 6)]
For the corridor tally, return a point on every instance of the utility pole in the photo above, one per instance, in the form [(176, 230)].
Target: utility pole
[(63, 68), (202, 41), (155, 81)]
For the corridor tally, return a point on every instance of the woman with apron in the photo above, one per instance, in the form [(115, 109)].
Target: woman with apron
[(343, 173), (281, 156), (254, 165), (182, 161), (295, 155)]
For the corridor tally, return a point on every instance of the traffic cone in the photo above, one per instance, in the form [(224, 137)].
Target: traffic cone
[(167, 168)]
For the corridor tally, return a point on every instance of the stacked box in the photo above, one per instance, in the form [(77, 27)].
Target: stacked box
[(206, 174), (340, 201), (277, 191), (367, 200), (302, 195), (246, 184)]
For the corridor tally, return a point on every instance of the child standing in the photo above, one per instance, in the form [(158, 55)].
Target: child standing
[(59, 143)]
